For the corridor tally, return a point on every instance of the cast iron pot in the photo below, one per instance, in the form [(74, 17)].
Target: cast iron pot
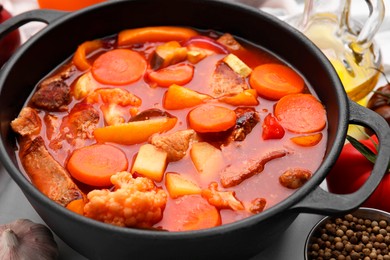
[(238, 240)]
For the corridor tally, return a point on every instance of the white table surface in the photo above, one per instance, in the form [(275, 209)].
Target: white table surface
[(14, 205)]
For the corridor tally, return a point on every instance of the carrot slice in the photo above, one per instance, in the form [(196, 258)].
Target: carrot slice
[(273, 81), (77, 206), (210, 118), (154, 34), (80, 57), (95, 164), (247, 97), (191, 212), (307, 140), (178, 97), (301, 113), (176, 74), (119, 67), (134, 132)]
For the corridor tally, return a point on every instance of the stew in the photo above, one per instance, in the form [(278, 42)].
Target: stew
[(171, 128)]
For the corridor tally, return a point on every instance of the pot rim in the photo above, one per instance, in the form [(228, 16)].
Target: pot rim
[(280, 208)]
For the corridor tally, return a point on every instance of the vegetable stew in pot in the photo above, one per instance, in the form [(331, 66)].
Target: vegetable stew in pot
[(171, 128)]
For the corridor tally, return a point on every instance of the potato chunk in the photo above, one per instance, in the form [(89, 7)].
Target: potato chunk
[(206, 158), (237, 65), (150, 162), (84, 86), (177, 185)]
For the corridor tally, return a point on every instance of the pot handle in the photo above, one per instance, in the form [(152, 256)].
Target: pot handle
[(38, 15), (320, 201)]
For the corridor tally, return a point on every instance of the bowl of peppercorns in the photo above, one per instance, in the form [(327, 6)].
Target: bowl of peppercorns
[(363, 234)]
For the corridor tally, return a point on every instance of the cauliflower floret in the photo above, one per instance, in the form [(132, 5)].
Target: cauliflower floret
[(221, 199), (117, 96), (134, 202)]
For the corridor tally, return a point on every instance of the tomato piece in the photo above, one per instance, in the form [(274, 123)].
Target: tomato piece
[(271, 128)]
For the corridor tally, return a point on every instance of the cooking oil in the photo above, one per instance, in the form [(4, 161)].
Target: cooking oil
[(358, 71), (347, 44)]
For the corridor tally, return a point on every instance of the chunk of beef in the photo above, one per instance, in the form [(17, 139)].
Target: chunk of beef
[(53, 93), (247, 119), (52, 123), (225, 81), (236, 173), (46, 173), (81, 121), (175, 144), (75, 128), (257, 205), (228, 40), (54, 96), (294, 178), (27, 122)]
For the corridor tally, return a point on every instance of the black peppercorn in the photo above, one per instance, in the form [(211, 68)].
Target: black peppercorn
[(351, 238)]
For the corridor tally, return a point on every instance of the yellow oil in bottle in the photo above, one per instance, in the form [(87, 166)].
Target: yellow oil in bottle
[(359, 72)]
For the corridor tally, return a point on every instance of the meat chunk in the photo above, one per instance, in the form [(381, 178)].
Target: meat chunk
[(53, 93), (294, 178), (27, 122), (53, 96), (75, 128), (236, 173), (247, 119), (81, 122), (134, 202), (46, 173), (52, 123), (228, 40), (175, 144), (221, 199), (257, 205), (225, 81)]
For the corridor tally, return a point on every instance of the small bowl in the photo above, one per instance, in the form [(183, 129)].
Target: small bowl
[(361, 213)]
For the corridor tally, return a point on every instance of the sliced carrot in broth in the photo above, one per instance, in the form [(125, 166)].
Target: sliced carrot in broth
[(119, 67), (274, 81), (95, 164), (301, 113), (192, 212)]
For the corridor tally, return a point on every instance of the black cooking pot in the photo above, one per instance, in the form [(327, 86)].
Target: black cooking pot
[(238, 240)]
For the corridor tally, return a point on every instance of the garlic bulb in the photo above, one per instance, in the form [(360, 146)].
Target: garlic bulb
[(24, 240)]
